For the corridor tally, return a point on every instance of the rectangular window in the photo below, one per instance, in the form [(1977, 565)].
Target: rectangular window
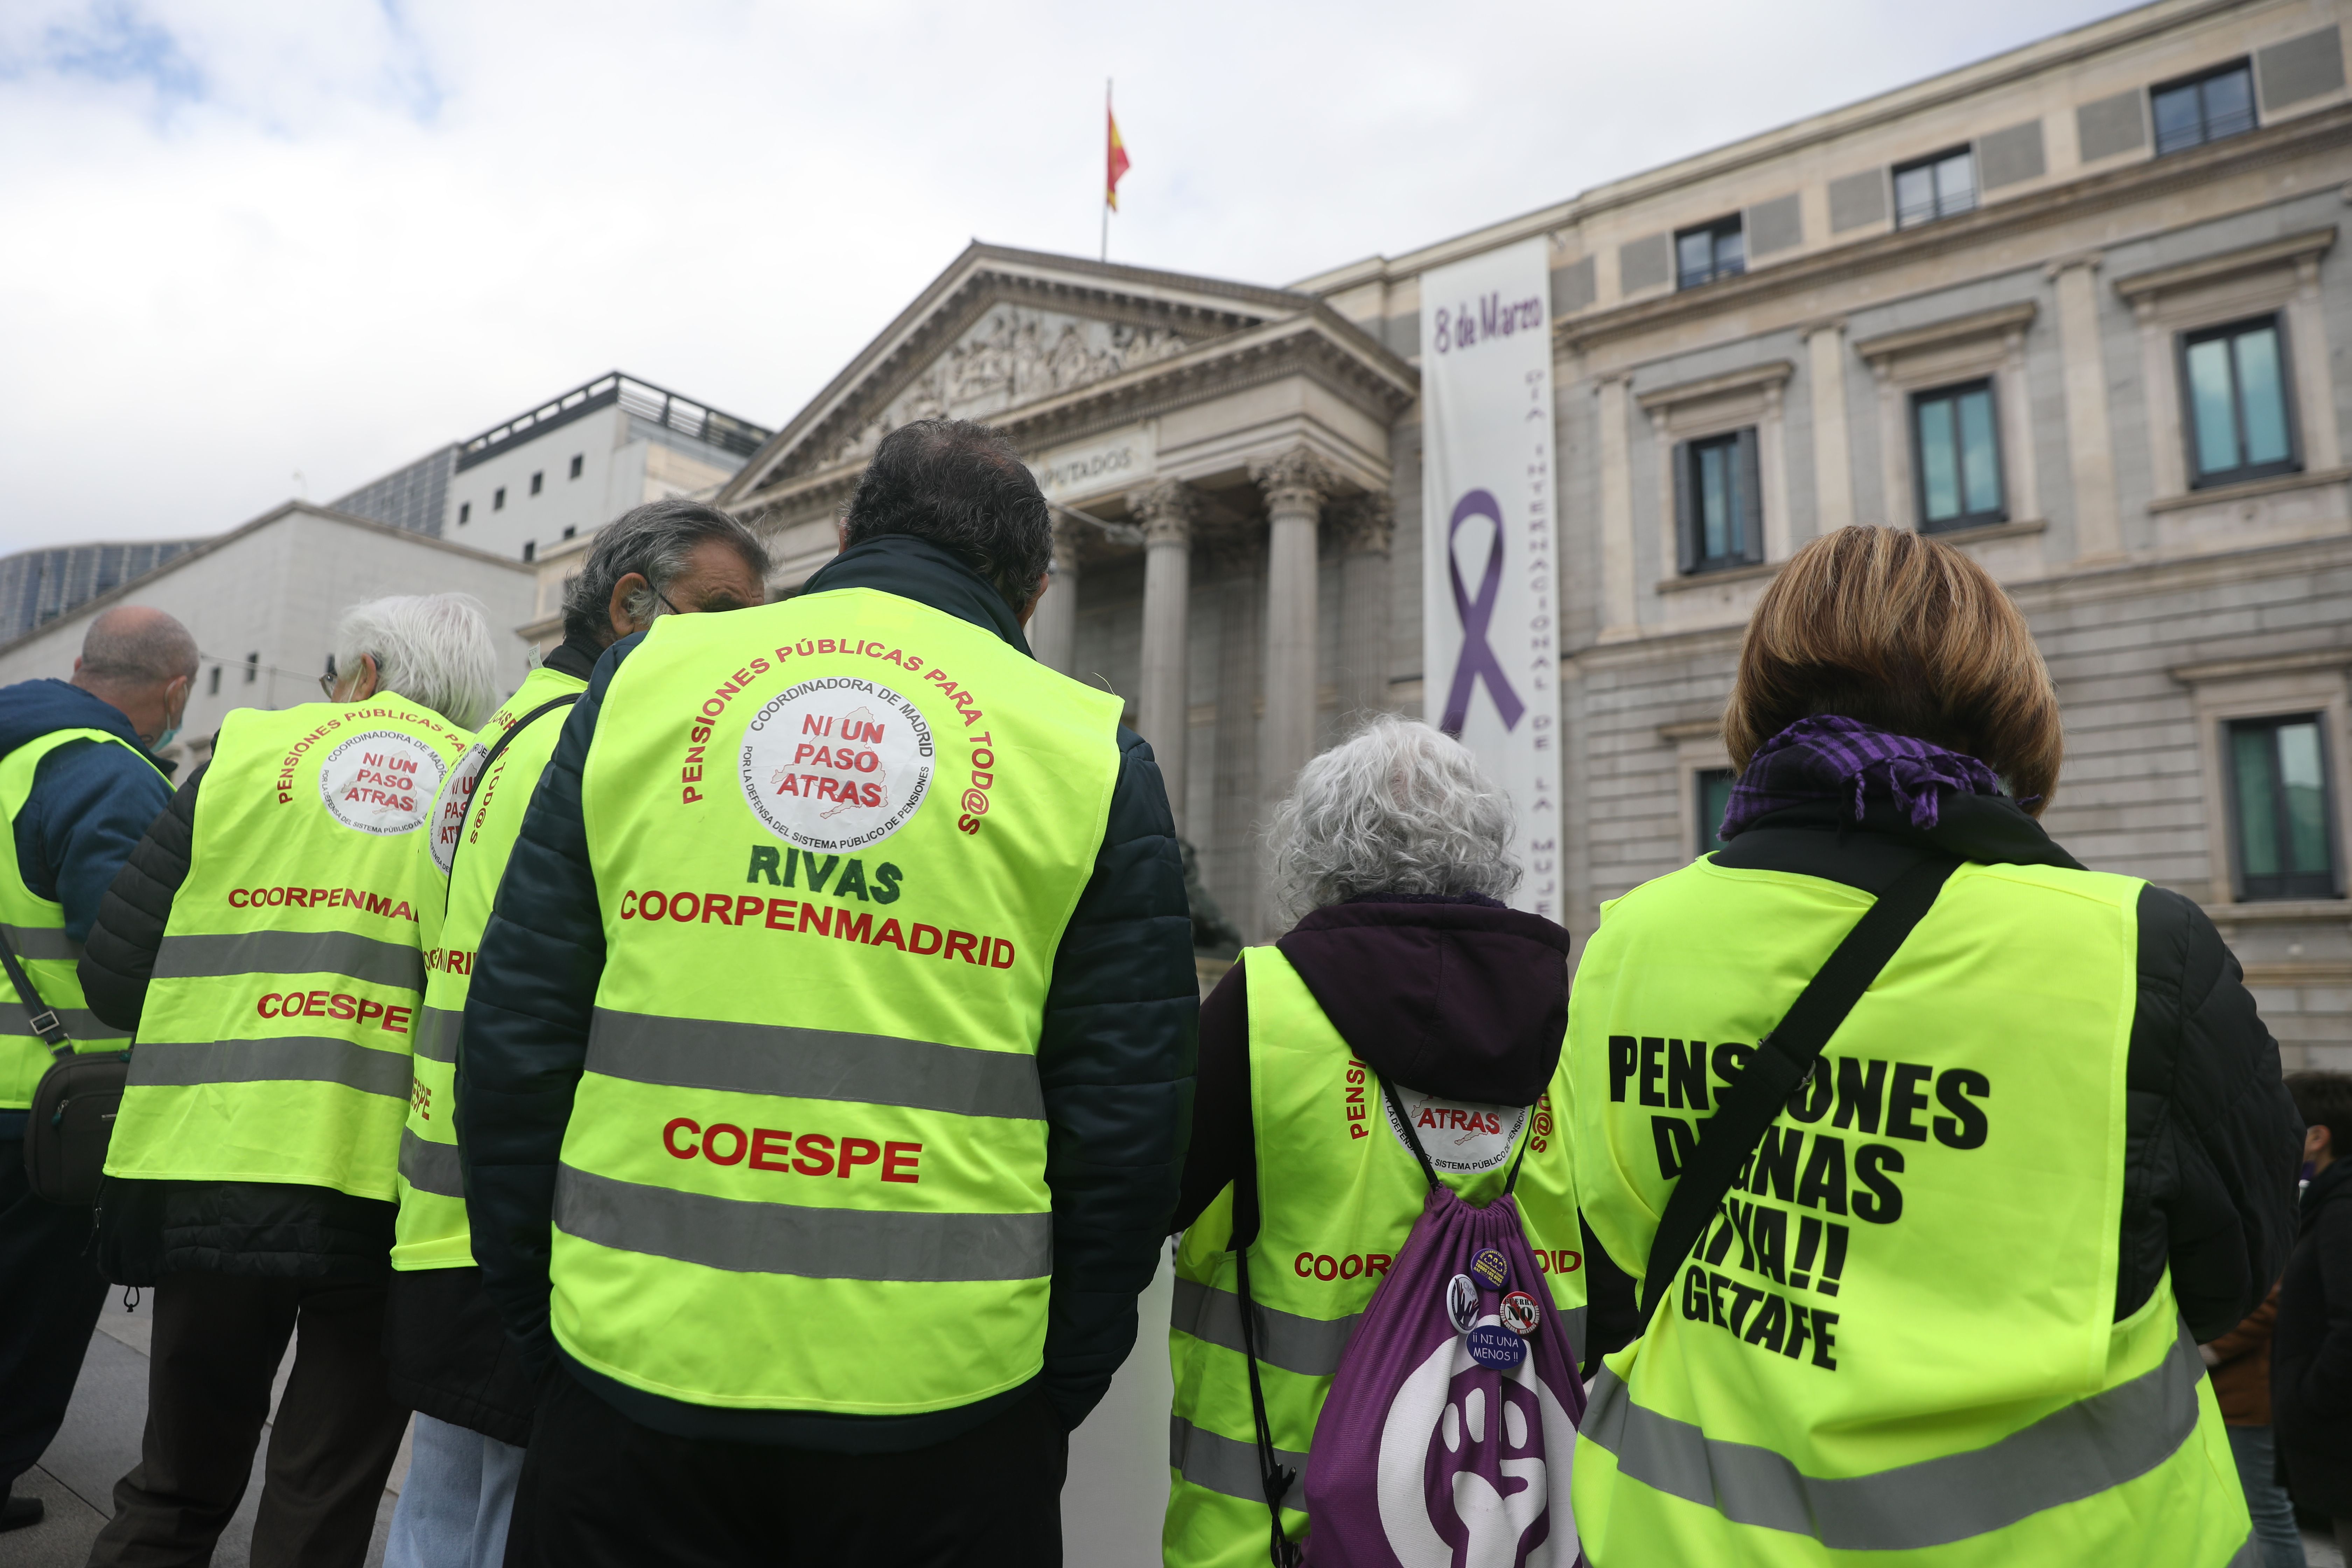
[(1714, 786), (252, 667), (2203, 108), (1956, 448), (1710, 251), (575, 465), (530, 550), (464, 512), (1942, 187), (2279, 795), (2234, 378), (538, 481), (211, 685), (1719, 511), (499, 499), (570, 531)]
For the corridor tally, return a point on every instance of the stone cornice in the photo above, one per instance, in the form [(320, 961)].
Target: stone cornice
[(2322, 131), (1319, 343), (1772, 373), (1936, 334), (2285, 252), (1204, 310)]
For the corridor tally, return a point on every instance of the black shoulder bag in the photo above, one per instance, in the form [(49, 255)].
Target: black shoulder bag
[(74, 1105), (1783, 1060)]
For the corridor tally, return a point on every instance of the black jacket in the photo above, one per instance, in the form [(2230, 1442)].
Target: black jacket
[(2212, 1143), (1115, 1058), (2311, 1348), (148, 1230), (446, 1351)]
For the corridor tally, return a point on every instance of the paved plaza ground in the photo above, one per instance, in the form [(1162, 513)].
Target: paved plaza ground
[(1110, 1509), (1110, 1506)]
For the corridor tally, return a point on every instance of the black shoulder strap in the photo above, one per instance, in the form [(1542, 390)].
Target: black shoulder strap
[(1783, 1060), (42, 1018), (499, 750)]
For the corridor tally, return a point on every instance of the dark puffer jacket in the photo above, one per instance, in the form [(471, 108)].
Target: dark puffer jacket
[(2211, 1140), (1114, 1058), (148, 1230), (2311, 1349)]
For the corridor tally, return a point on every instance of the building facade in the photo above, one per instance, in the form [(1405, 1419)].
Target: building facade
[(563, 470), (38, 585), (2080, 310), (262, 600)]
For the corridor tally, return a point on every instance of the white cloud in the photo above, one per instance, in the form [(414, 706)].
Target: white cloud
[(245, 240)]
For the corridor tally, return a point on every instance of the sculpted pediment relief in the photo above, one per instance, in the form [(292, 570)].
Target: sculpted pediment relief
[(1013, 354)]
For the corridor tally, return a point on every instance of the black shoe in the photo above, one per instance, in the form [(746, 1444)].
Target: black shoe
[(17, 1512)]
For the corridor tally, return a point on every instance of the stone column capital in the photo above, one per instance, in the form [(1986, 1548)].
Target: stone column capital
[(1295, 481), (1366, 524), (1067, 539), (1165, 512)]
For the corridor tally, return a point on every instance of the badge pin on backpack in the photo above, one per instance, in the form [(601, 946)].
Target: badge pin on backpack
[(1446, 1436)]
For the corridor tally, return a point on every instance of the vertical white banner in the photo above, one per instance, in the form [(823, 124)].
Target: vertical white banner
[(1490, 571)]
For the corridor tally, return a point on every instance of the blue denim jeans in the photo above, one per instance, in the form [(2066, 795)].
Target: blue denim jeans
[(455, 1504), (2274, 1528)]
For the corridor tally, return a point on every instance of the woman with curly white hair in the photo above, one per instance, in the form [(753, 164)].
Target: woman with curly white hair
[(1405, 972)]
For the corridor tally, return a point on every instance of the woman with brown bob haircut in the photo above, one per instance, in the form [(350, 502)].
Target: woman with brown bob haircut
[(2043, 1153)]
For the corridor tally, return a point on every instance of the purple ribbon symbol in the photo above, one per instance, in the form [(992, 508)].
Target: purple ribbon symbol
[(1476, 660)]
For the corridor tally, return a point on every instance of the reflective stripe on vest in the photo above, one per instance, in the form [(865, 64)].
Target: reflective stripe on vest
[(2076, 1452), (35, 930), (1339, 1195), (805, 1162), (215, 956), (476, 819), (1898, 1334), (275, 1042)]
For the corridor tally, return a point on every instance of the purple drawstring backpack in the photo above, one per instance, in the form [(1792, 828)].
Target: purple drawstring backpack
[(1446, 1438)]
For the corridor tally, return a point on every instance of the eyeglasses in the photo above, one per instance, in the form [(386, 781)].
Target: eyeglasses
[(327, 681)]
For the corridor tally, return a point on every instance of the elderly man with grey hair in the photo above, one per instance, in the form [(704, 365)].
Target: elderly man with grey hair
[(1405, 1032), (262, 944), (77, 786)]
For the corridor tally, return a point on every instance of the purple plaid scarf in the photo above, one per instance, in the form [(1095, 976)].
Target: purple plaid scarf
[(1819, 758)]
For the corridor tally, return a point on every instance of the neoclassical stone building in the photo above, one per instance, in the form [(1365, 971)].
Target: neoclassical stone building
[(2081, 309)]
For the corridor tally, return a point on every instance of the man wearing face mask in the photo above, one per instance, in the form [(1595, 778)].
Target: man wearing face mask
[(450, 1355), (77, 786)]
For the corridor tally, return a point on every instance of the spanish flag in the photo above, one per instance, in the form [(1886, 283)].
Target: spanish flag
[(1116, 164)]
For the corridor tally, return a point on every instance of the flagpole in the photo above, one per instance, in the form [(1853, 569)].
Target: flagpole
[(1106, 205)]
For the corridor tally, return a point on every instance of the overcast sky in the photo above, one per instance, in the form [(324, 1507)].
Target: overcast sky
[(242, 239)]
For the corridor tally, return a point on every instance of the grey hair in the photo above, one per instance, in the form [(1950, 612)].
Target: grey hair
[(654, 542), (433, 648), (1398, 808), (132, 644)]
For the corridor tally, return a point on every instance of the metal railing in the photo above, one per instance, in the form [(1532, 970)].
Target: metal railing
[(641, 399)]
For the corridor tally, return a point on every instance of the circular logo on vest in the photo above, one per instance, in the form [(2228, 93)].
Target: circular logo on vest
[(382, 781), (455, 802), (1458, 1135), (836, 764)]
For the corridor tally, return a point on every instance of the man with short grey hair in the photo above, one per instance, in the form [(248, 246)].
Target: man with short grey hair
[(79, 786)]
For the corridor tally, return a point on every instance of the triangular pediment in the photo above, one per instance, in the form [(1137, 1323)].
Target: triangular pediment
[(1001, 330)]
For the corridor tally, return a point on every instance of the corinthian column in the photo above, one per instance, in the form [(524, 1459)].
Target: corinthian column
[(1294, 484), (1054, 629), (1365, 527), (1163, 705)]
